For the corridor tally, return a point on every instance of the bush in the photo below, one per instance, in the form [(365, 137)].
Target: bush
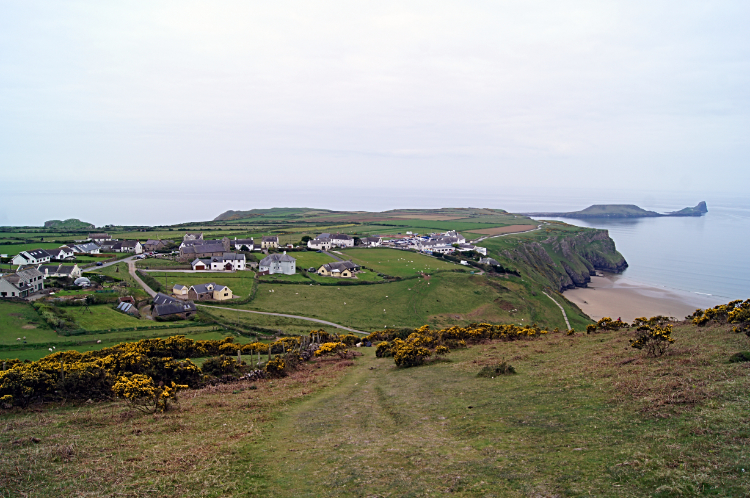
[(275, 367), (142, 394), (409, 354), (383, 350), (331, 348), (655, 340), (220, 366), (492, 371), (442, 350)]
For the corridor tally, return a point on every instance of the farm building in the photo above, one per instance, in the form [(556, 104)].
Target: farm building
[(201, 264), (193, 236), (60, 271), (152, 245), (167, 307), (61, 253), (278, 263), (100, 238)]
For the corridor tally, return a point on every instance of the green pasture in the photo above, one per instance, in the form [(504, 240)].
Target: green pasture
[(13, 249), (103, 316), (311, 259), (287, 326), (397, 263), (161, 263), (240, 282), (443, 300), (21, 320), (278, 277)]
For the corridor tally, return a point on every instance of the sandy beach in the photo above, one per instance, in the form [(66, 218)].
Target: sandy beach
[(616, 296)]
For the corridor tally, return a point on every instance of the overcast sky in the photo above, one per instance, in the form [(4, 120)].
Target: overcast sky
[(347, 95)]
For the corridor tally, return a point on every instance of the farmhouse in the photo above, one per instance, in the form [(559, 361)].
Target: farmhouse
[(470, 247), (345, 269), (100, 238), (277, 263), (35, 257), (269, 242), (488, 261), (342, 240), (167, 307), (228, 261), (60, 271), (243, 244), (320, 243), (22, 283), (193, 236), (210, 291)]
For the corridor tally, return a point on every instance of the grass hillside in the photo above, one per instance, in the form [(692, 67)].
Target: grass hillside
[(583, 416)]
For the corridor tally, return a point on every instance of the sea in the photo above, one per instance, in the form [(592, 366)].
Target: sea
[(703, 256)]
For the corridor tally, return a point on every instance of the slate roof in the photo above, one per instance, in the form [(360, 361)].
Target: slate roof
[(206, 262), (173, 308), (128, 243), (340, 236), (57, 269), (179, 286), (277, 258), (37, 253), (203, 248), (160, 298), (204, 288), (340, 266), (87, 247), (270, 238), (100, 236), (229, 256)]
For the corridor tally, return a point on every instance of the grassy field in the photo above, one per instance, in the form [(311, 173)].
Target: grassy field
[(584, 416), (311, 259), (397, 263), (103, 316), (444, 299), (288, 326), (21, 320), (240, 282)]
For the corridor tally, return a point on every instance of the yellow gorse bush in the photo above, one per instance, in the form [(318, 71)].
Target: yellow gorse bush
[(330, 348), (143, 394)]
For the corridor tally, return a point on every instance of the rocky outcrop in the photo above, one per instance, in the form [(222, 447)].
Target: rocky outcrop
[(568, 261)]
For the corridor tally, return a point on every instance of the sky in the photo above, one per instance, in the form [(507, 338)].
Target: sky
[(118, 112)]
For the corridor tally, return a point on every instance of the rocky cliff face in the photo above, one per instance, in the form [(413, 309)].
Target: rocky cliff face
[(568, 261)]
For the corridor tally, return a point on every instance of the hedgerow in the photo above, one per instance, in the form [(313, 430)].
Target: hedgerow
[(736, 312)]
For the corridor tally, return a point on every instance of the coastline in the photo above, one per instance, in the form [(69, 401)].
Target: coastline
[(617, 296)]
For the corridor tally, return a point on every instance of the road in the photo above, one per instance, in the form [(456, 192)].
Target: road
[(324, 322), (480, 239), (94, 268), (333, 256), (131, 269)]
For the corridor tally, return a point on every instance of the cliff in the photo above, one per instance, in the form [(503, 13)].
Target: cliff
[(564, 259)]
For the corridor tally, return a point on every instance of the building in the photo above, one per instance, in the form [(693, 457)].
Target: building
[(22, 283), (371, 241), (131, 246), (210, 291), (100, 238), (469, 247), (342, 240), (193, 236), (228, 261), (87, 248), (201, 264), (190, 252), (61, 253), (180, 290), (167, 307), (60, 271), (152, 245), (320, 243), (269, 242), (345, 269), (488, 261), (278, 263), (243, 244), (35, 257)]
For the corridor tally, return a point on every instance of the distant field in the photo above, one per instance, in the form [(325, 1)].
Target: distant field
[(240, 282), (13, 249), (281, 324), (19, 320), (103, 316), (397, 263), (506, 229)]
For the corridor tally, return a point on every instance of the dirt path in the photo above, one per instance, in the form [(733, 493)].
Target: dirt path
[(565, 316), (324, 322)]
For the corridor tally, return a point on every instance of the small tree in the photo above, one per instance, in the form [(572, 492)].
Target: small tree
[(653, 339)]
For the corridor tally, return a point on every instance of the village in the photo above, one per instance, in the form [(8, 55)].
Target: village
[(204, 255)]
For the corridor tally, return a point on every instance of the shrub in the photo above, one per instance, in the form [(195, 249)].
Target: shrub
[(410, 355), (330, 348), (275, 367), (442, 350), (142, 394), (495, 370), (219, 366), (383, 350), (653, 339)]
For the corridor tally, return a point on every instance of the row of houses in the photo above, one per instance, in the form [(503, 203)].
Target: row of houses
[(227, 261), (326, 241), (444, 243), (67, 252)]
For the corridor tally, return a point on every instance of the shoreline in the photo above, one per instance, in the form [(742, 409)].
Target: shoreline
[(616, 296)]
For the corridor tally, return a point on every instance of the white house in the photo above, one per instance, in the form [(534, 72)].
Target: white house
[(130, 246), (180, 290), (60, 271), (278, 263), (22, 283), (243, 244), (201, 264), (100, 238), (61, 253), (371, 241), (469, 247), (320, 243), (228, 261), (35, 257), (87, 248), (342, 240)]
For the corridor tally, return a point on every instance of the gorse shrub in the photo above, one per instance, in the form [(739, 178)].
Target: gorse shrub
[(143, 394), (331, 348), (222, 365), (737, 311), (275, 367), (383, 350), (655, 340), (606, 323)]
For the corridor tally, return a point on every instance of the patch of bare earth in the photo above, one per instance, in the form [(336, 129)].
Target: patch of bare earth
[(503, 230)]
